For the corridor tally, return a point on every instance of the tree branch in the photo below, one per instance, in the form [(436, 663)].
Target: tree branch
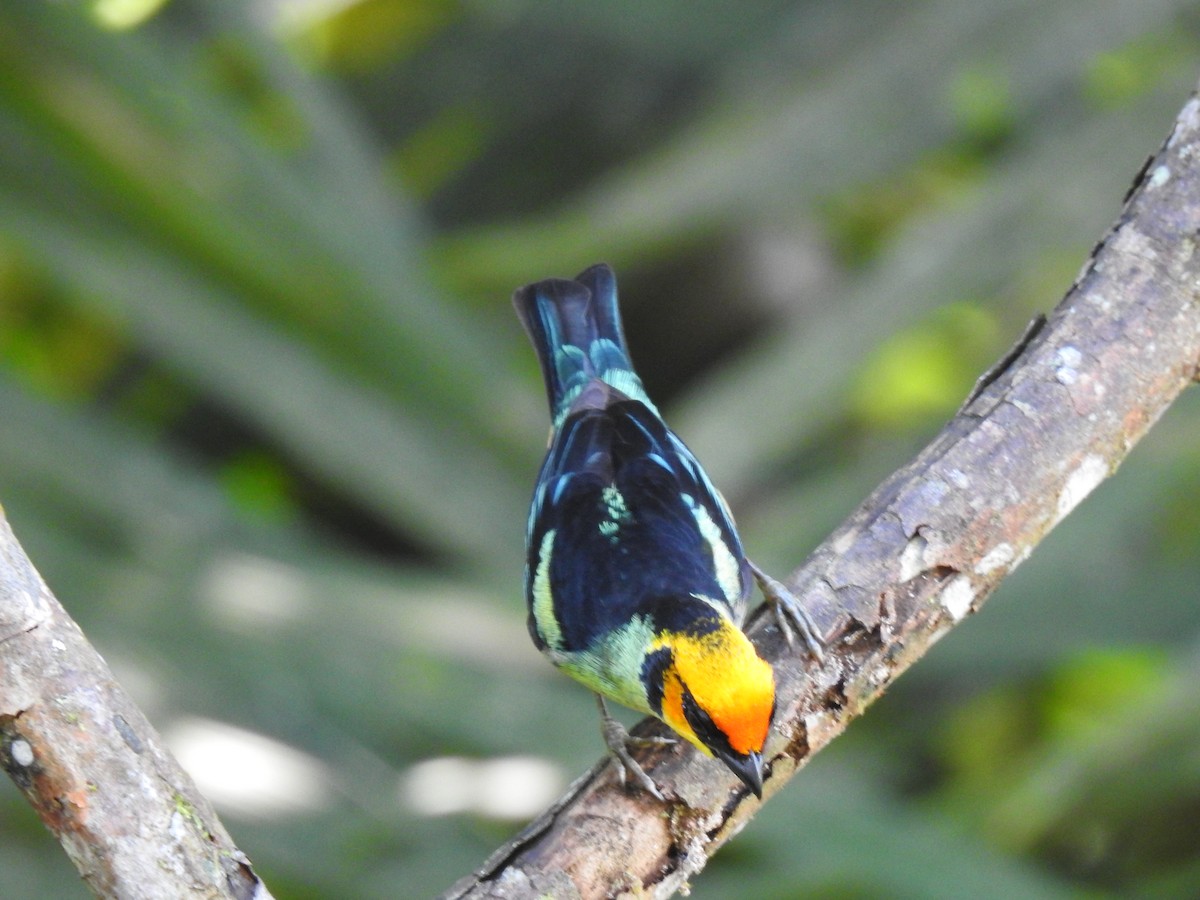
[(92, 766), (1041, 430)]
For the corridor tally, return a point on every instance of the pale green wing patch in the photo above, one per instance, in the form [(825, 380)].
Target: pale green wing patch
[(543, 598)]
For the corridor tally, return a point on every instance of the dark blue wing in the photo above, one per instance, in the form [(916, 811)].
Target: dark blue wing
[(636, 523)]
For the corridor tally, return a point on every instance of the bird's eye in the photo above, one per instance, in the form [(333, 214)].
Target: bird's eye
[(703, 725)]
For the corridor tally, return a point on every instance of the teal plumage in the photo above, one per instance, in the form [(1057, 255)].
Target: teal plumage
[(576, 330)]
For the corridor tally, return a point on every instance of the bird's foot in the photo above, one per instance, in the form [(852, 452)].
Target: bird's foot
[(788, 612), (619, 740)]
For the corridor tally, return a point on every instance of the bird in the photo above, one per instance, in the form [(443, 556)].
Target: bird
[(636, 580)]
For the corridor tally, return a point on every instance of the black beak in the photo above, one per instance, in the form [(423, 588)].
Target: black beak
[(748, 768)]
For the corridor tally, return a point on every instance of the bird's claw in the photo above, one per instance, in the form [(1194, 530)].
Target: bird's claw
[(618, 741), (788, 611)]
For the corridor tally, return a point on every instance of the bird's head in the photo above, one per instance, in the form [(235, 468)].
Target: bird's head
[(710, 685)]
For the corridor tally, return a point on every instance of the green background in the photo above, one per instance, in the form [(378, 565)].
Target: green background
[(268, 425)]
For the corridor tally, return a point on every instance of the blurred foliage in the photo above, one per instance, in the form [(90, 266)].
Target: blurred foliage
[(270, 424)]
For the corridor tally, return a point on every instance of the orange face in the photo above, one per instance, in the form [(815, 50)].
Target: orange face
[(729, 682)]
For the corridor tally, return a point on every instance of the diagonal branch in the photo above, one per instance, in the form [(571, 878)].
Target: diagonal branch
[(92, 766), (1044, 428)]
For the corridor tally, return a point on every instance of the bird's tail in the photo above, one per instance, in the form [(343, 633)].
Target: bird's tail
[(576, 330)]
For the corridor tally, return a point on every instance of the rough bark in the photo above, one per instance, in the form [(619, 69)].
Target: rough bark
[(92, 766), (1041, 430)]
